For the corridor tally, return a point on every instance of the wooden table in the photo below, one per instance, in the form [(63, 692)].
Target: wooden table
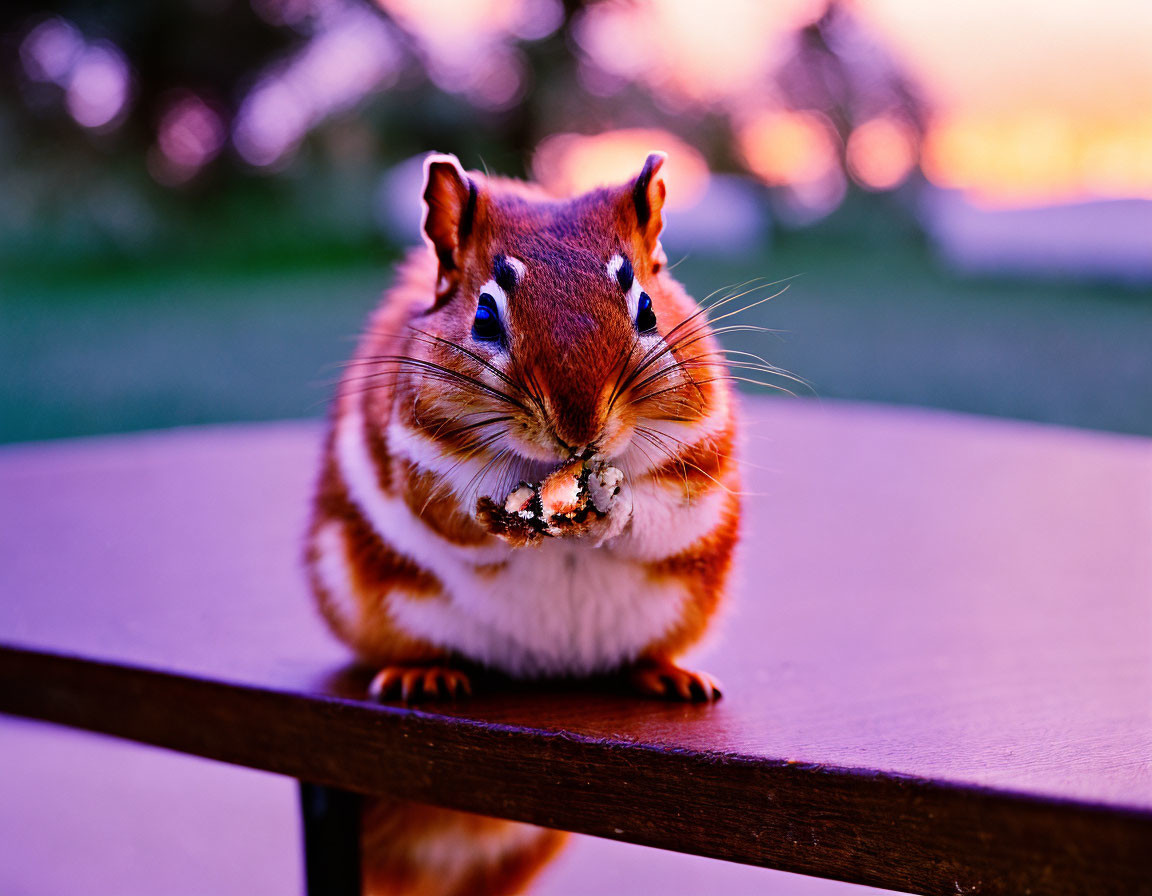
[(938, 659)]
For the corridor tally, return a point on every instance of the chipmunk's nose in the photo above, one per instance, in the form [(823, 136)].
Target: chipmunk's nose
[(575, 436), (578, 452), (578, 417)]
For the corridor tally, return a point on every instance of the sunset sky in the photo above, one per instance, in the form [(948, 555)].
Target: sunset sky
[(1032, 101), (1036, 100)]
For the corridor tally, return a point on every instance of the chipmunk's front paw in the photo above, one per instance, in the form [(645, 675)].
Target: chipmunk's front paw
[(415, 683), (579, 499), (592, 526), (661, 678)]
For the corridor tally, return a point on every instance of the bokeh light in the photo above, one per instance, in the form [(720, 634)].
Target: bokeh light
[(689, 53), (799, 153), (567, 164), (50, 50), (94, 75), (352, 53), (98, 86), (191, 134), (881, 153), (787, 148), (467, 47)]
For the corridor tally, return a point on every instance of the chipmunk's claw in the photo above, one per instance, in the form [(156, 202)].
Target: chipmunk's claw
[(660, 678), (415, 683)]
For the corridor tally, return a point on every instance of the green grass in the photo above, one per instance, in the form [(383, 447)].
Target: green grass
[(107, 349), (888, 324), (137, 352)]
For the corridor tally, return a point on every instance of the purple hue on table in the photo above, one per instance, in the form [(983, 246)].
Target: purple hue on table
[(922, 595)]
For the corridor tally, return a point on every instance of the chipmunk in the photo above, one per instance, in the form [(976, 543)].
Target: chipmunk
[(528, 468)]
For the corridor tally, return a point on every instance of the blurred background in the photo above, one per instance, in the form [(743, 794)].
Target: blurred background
[(200, 200)]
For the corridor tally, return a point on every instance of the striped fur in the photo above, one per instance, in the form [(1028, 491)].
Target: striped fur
[(428, 420)]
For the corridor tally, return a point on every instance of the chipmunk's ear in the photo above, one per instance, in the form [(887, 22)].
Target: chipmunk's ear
[(449, 214), (648, 200)]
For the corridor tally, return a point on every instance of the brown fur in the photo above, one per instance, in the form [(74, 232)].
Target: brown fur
[(378, 569), (703, 570), (699, 468), (426, 498), (397, 831)]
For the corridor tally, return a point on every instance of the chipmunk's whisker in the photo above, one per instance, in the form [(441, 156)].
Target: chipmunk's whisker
[(649, 437), (657, 438), (448, 374), (701, 361), (689, 465), (672, 342), (621, 361), (719, 378), (432, 339)]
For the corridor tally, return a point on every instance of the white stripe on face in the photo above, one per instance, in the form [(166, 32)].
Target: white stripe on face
[(493, 289), (632, 297)]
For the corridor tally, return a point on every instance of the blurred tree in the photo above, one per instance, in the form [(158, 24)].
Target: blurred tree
[(839, 69), (110, 109), (208, 47)]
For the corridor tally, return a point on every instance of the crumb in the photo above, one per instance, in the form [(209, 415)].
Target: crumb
[(563, 493), (569, 500), (603, 486), (519, 499)]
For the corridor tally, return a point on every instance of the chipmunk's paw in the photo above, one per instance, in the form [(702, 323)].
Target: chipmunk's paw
[(661, 678), (579, 499), (414, 683)]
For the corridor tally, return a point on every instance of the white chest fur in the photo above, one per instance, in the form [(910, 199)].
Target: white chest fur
[(559, 608)]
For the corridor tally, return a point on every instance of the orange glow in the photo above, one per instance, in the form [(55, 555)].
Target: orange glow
[(1032, 102), (881, 153), (1041, 158), (567, 164), (446, 26), (683, 49), (1074, 58), (466, 42), (785, 148), (1035, 103)]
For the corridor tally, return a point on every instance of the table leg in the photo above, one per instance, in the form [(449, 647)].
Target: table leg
[(331, 840)]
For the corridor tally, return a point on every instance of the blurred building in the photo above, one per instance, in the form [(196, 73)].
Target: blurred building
[(1107, 239)]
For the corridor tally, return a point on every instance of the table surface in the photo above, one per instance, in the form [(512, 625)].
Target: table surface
[(938, 656)]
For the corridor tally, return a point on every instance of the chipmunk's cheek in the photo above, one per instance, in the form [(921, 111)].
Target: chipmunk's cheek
[(615, 439), (638, 457), (534, 444), (531, 450)]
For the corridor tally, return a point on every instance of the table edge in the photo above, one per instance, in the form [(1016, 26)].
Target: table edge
[(859, 825)]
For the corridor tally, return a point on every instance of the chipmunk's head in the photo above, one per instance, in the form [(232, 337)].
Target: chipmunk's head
[(556, 317)]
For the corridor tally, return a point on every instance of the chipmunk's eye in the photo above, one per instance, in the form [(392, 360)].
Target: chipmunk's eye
[(486, 325), (645, 316)]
